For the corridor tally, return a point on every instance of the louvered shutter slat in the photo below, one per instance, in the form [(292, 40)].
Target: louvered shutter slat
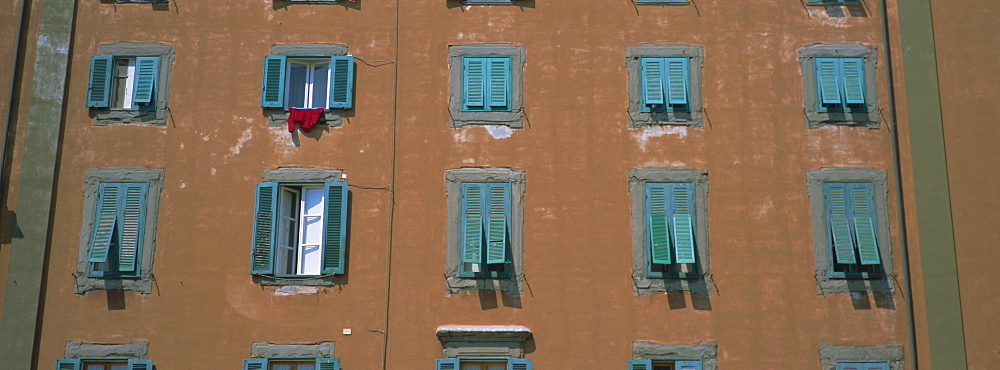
[(341, 81), (687, 365), (828, 76), (327, 364), (640, 364), (273, 85), (132, 221), (652, 80), (499, 82), (335, 220), (838, 222), (99, 91), (446, 364), (677, 80), (68, 364), (864, 223), (140, 364), (518, 364), (147, 72), (265, 221), (683, 227), (107, 217), (854, 80), (255, 364), (475, 80), (659, 235), (498, 208), (472, 240)]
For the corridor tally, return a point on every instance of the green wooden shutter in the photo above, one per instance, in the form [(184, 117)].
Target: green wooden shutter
[(656, 209), (474, 77), (272, 93), (640, 364), (140, 364), (133, 218), (828, 77), (147, 72), (863, 365), (341, 81), (652, 81), (499, 91), (499, 208), (335, 219), (68, 364), (683, 222), (265, 222), (677, 80), (99, 91), (472, 222), (838, 222), (446, 364), (854, 80), (327, 364), (864, 223), (106, 221), (255, 364), (687, 365), (518, 364)]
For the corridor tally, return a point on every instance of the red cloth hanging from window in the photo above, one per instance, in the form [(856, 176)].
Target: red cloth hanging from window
[(306, 119)]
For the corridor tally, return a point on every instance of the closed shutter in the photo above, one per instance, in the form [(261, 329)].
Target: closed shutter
[(838, 222), (499, 208), (864, 223), (335, 218), (106, 221), (854, 80), (132, 220), (341, 81), (272, 93), (140, 364), (255, 364), (640, 364), (657, 211), (687, 365), (499, 92), (327, 364), (652, 81), (68, 364), (683, 199), (519, 364), (147, 72), (677, 80), (472, 222), (265, 221), (828, 77), (446, 364), (99, 91), (474, 77)]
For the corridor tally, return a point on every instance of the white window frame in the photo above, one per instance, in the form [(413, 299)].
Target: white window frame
[(310, 64), (300, 248), (126, 99)]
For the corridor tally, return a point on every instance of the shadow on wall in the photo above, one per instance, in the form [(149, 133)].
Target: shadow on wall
[(518, 3), (488, 294), (861, 296), (837, 11), (347, 4)]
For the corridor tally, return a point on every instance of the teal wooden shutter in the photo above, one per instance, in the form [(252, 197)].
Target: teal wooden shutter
[(828, 77), (838, 222), (99, 91), (652, 81), (147, 71), (499, 208), (272, 93), (657, 209), (335, 219), (255, 364), (140, 364), (499, 91), (132, 219), (864, 223), (341, 81), (640, 364), (472, 222), (68, 364), (474, 78), (854, 80), (327, 364), (677, 80), (446, 364), (683, 199), (687, 365), (265, 222), (863, 365), (518, 364), (106, 221)]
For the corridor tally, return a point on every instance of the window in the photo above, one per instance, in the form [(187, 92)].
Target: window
[(862, 365), (662, 2), (655, 356), (308, 82), (92, 356), (103, 364), (119, 226), (486, 84), (850, 227), (664, 365), (839, 82), (664, 84), (128, 82), (669, 233), (489, 2), (483, 364), (888, 357), (484, 237), (291, 364)]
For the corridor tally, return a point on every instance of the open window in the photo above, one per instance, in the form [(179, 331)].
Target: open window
[(308, 81)]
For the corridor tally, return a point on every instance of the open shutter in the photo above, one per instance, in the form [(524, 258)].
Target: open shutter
[(652, 80), (341, 81), (854, 80), (683, 225), (255, 364), (147, 71), (518, 364), (677, 80), (881, 365), (140, 364), (838, 223), (446, 364), (474, 77), (99, 91), (499, 207), (640, 364), (864, 223), (659, 236), (68, 364), (133, 218), (687, 365), (106, 221), (499, 82), (265, 221), (828, 78), (328, 364), (272, 93), (335, 217), (472, 229)]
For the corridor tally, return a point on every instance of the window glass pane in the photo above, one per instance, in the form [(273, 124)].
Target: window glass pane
[(306, 367), (321, 88), (312, 199), (311, 258), (497, 367), (296, 92), (95, 367), (281, 367), (470, 366), (119, 367)]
